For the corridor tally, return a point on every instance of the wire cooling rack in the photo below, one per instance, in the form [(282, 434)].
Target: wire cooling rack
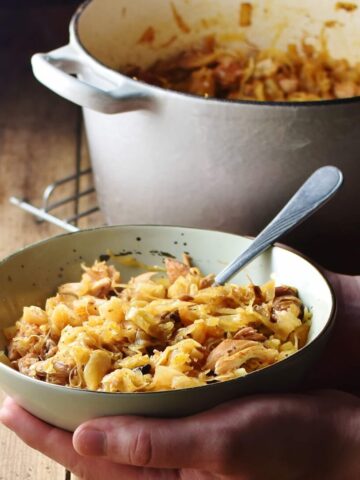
[(46, 211)]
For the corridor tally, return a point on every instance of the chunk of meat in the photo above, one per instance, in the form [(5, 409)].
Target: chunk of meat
[(265, 356), (12, 352), (225, 349), (249, 333), (101, 288), (207, 281), (202, 82), (50, 348), (25, 363), (287, 298), (61, 373), (73, 289), (228, 72), (175, 269), (285, 290), (100, 279), (287, 302)]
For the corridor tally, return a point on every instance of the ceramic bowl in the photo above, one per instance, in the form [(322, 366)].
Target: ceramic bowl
[(31, 275)]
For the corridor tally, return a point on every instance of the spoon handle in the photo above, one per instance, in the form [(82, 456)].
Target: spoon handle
[(316, 191)]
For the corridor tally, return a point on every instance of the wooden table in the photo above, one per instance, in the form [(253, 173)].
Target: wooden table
[(41, 139)]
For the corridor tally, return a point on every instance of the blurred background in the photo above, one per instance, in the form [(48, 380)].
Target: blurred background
[(41, 139), (42, 136)]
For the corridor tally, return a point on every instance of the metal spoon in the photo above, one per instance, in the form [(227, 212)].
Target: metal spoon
[(315, 192)]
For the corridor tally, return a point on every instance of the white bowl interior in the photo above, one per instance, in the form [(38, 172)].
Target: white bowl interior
[(32, 275), (111, 30)]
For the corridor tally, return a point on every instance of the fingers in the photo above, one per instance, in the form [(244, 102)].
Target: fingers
[(215, 441), (57, 444), (143, 442)]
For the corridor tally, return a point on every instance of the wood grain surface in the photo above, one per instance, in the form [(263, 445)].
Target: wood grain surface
[(40, 141)]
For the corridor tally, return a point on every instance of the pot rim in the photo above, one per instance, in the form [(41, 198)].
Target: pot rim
[(75, 37), (326, 330)]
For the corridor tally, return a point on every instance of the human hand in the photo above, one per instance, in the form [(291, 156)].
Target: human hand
[(339, 365), (287, 437)]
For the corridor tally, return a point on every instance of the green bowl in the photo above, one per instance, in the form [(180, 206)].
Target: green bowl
[(31, 275)]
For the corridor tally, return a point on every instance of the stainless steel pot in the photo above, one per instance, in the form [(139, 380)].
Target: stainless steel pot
[(170, 158)]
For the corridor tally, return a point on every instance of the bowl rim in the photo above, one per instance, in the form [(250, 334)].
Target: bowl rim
[(328, 325), (146, 87)]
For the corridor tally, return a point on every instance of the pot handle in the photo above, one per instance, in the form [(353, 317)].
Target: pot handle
[(55, 70)]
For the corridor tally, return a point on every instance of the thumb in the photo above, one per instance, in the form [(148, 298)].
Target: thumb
[(144, 442)]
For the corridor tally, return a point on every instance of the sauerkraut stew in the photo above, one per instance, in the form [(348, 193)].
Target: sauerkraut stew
[(159, 331), (210, 70)]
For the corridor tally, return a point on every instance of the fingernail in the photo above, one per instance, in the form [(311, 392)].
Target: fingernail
[(91, 443), (4, 416)]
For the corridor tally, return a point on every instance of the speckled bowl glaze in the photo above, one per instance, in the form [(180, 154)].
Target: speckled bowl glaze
[(31, 275)]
